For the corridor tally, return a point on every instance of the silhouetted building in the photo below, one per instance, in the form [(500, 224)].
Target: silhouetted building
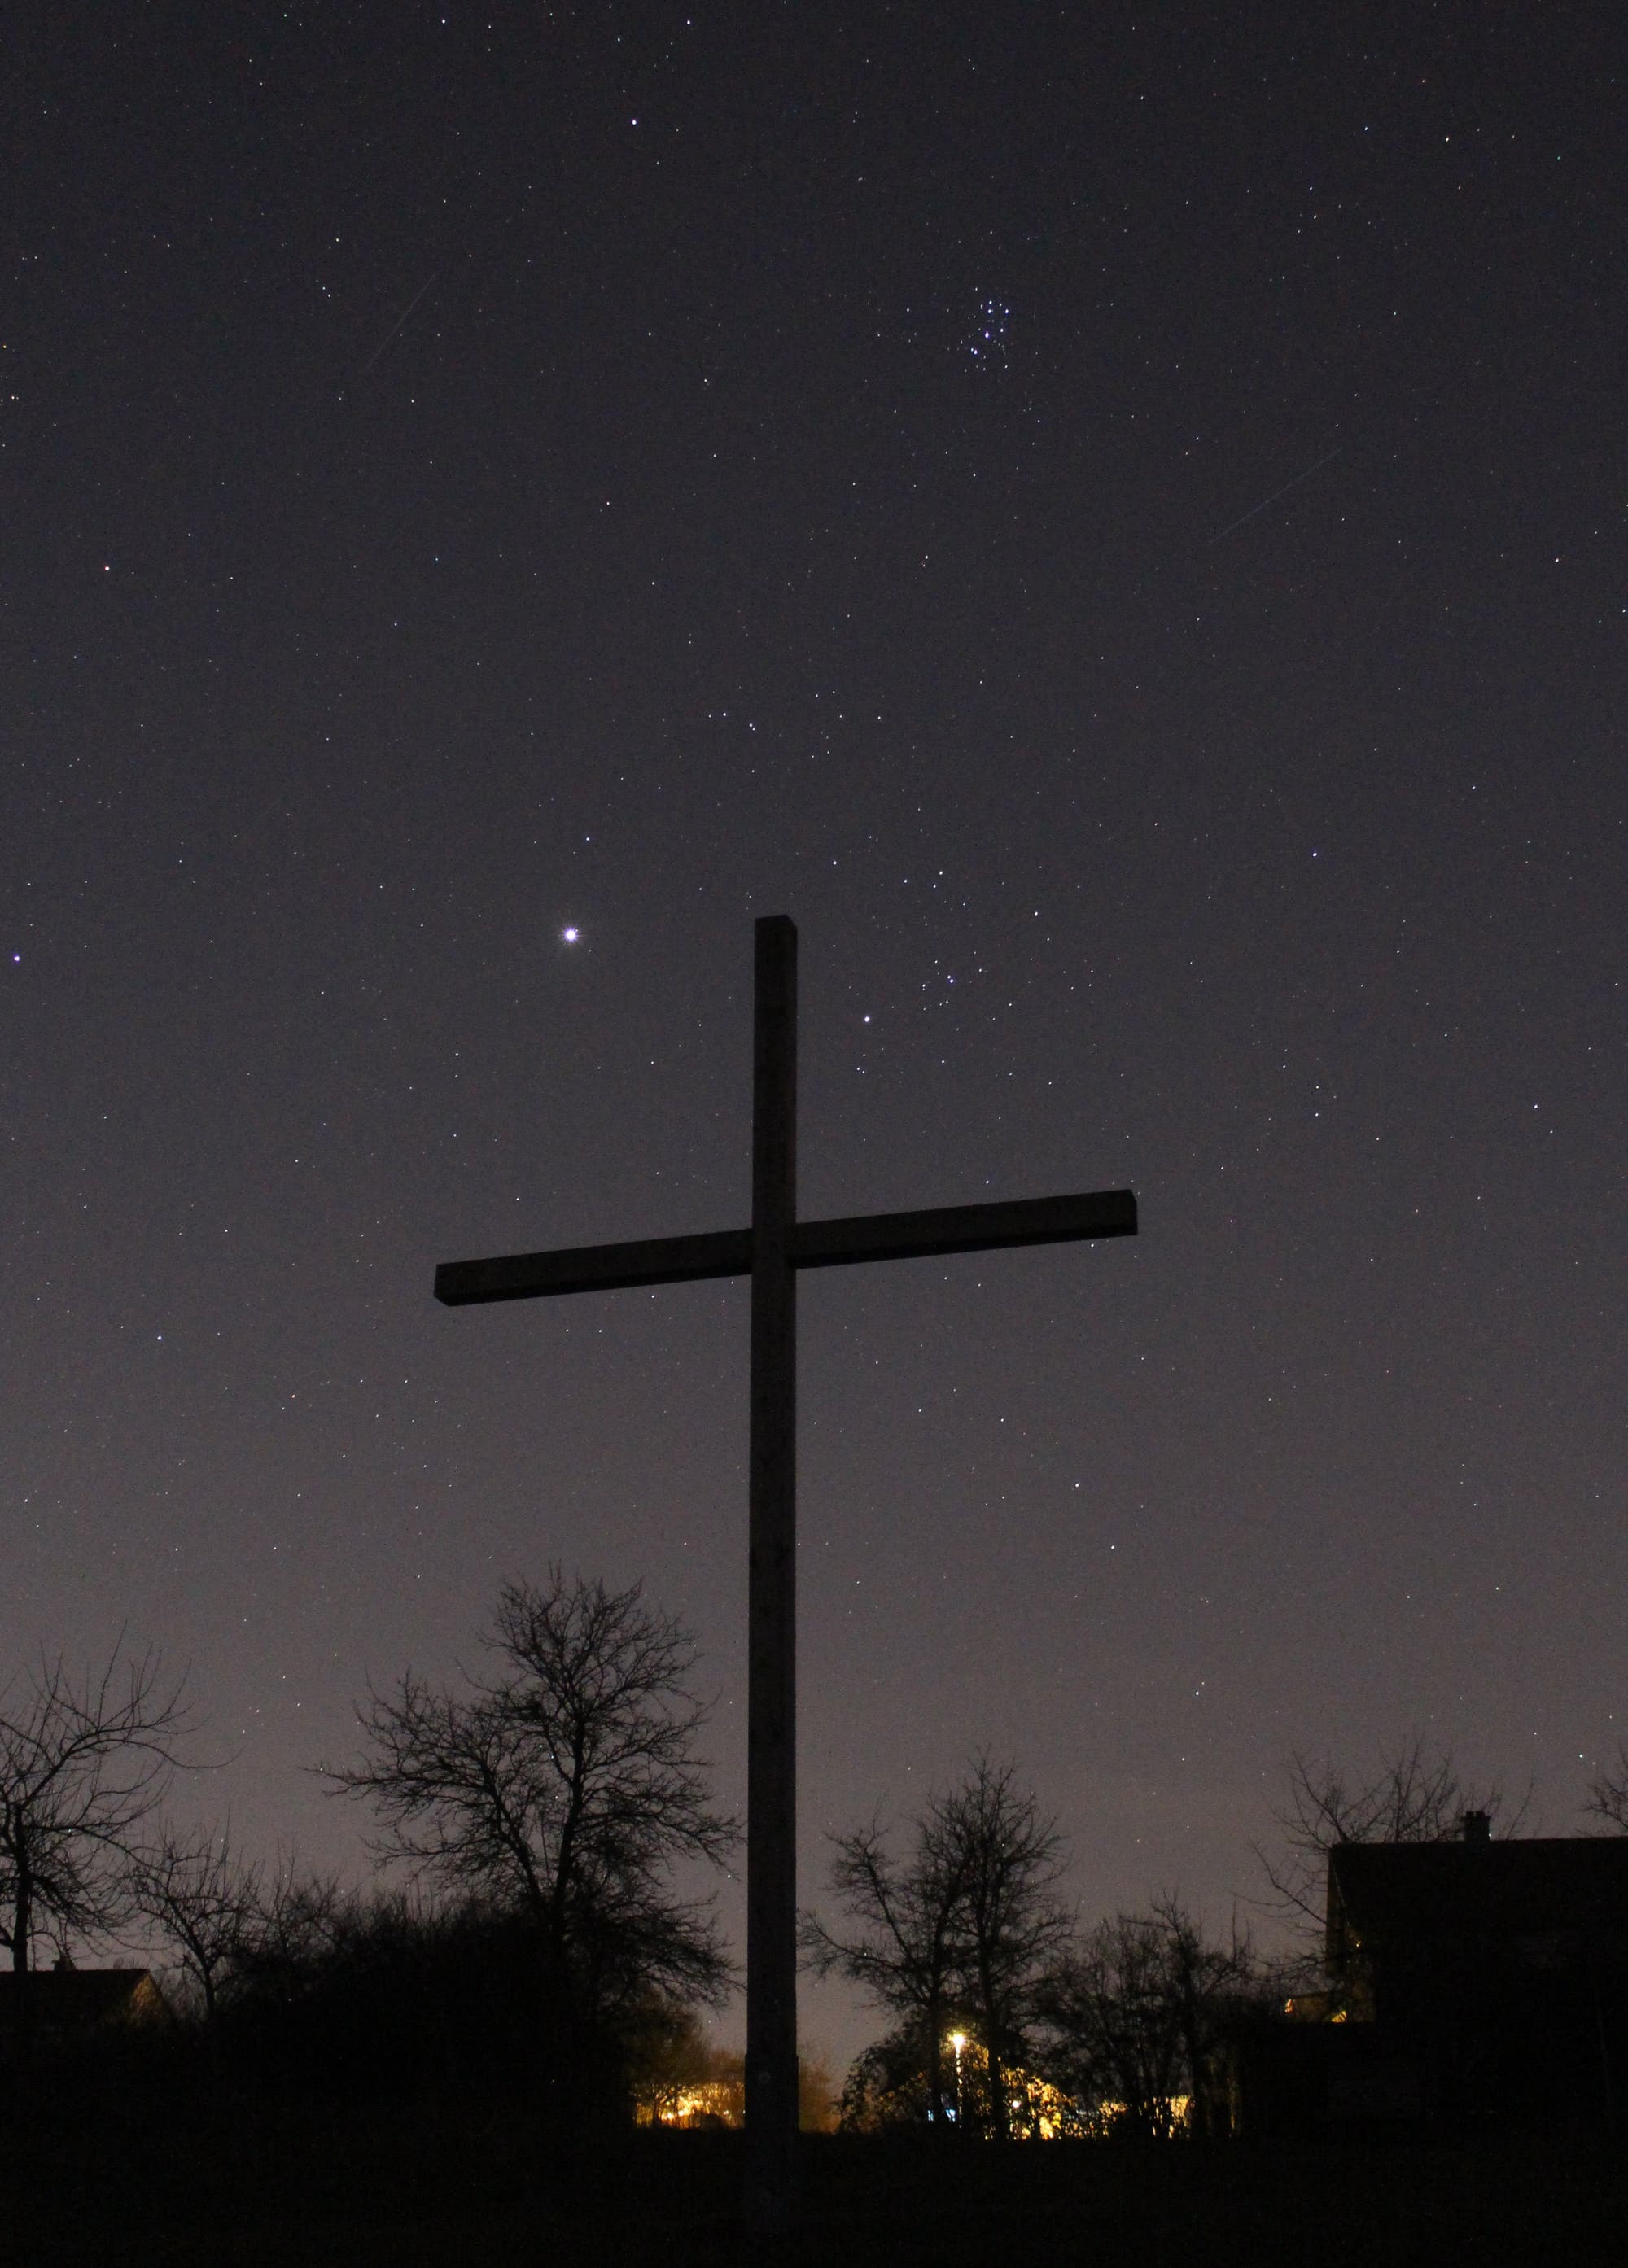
[(71, 2008), (1468, 1983)]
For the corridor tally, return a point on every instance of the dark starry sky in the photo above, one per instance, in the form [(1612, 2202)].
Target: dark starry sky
[(1111, 518)]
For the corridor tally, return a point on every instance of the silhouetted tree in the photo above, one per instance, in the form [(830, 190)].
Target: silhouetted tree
[(887, 2085), (1137, 2013), (205, 1903), (1414, 1797), (378, 1994), (965, 1926), (299, 1918), (84, 1763), (566, 1789), (1608, 1793), (1009, 1856), (905, 1952), (674, 2070), (1211, 1986)]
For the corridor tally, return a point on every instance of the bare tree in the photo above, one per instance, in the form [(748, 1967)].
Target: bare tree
[(1209, 1984), (1415, 1796), (1115, 2024), (1608, 1793), (905, 1952), (967, 1926), (1009, 1856), (299, 1921), (566, 1788), (1137, 2015), (205, 1903), (84, 1763)]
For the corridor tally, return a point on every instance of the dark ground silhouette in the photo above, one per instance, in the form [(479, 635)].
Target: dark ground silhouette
[(110, 2173)]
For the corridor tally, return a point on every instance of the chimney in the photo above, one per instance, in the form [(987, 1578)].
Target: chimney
[(1478, 1827)]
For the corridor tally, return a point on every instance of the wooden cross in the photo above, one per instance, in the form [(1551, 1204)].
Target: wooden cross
[(771, 1251)]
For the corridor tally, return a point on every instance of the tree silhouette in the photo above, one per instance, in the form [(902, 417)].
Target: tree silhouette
[(967, 1926), (905, 1952), (1011, 1858), (205, 1903), (565, 1787), (1136, 2016), (84, 1763), (1415, 1796), (1608, 1793)]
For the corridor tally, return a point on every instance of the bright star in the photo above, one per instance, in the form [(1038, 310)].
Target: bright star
[(568, 936)]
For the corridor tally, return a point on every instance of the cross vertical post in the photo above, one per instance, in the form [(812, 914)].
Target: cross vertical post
[(771, 1736)]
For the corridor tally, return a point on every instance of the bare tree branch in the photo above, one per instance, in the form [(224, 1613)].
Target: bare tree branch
[(1608, 1793), (1011, 1859), (203, 1900), (905, 1954), (566, 1785), (1137, 2013), (965, 1928), (1415, 1796), (84, 1763)]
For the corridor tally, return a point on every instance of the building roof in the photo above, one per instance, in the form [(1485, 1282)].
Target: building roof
[(80, 2000), (1399, 1898)]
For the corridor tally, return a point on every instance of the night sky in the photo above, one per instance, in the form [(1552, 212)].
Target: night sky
[(1113, 518)]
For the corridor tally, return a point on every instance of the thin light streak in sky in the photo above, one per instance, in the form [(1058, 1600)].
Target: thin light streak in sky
[(395, 326), (1256, 508)]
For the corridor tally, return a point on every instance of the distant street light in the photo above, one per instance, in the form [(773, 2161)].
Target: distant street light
[(958, 2041)]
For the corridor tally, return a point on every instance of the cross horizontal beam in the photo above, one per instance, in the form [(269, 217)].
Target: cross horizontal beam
[(595, 1268), (927, 1235), (962, 1228)]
